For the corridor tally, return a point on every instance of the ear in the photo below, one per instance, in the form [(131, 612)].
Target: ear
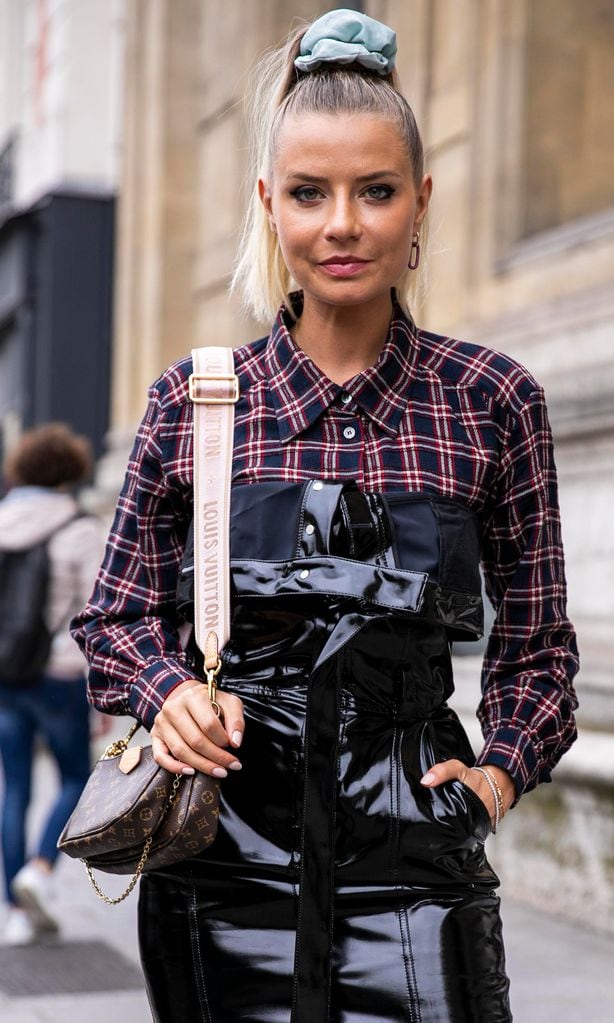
[(266, 200), (423, 198)]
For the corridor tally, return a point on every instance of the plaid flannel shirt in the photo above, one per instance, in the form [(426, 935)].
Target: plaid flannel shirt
[(432, 414)]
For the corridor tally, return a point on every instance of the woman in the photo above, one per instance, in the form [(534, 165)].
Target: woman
[(373, 462), (40, 509)]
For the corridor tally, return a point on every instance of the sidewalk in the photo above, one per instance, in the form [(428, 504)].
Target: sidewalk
[(89, 975), (560, 973)]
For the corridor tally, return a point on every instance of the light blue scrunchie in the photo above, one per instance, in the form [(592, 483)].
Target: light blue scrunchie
[(348, 37)]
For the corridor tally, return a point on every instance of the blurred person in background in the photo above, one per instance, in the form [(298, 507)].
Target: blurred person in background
[(40, 514)]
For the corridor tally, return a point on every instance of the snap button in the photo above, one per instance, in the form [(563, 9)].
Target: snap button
[(304, 574), (346, 397), (310, 529), (349, 432), (318, 485)]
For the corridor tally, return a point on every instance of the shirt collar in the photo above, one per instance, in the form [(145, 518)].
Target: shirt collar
[(301, 392)]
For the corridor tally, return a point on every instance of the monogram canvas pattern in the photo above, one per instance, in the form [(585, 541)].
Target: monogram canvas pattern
[(118, 812)]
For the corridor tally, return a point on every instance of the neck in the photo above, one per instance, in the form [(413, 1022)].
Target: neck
[(343, 340)]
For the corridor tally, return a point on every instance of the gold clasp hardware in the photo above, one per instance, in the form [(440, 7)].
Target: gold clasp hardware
[(211, 675), (120, 745), (195, 378), (114, 750)]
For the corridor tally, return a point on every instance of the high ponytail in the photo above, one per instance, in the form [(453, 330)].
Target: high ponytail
[(276, 89)]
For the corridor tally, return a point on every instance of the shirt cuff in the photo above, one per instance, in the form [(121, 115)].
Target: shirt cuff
[(514, 750), (153, 685)]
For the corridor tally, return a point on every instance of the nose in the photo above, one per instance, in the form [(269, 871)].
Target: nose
[(343, 220)]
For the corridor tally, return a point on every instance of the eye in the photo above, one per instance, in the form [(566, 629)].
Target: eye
[(379, 191), (305, 193)]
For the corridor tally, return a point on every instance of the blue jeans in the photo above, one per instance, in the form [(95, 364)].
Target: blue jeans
[(57, 710)]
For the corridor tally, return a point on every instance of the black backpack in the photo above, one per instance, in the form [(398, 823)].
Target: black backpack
[(25, 640)]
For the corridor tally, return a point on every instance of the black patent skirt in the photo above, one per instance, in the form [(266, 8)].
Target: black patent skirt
[(339, 889)]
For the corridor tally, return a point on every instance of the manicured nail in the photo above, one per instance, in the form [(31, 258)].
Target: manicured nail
[(188, 770), (428, 778), (219, 772), (235, 766), (237, 738)]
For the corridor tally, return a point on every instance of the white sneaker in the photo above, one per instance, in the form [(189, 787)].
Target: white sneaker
[(18, 928), (32, 890)]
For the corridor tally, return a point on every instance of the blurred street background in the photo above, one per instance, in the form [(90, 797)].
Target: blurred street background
[(122, 163)]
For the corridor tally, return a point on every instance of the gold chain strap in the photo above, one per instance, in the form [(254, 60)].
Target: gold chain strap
[(143, 860)]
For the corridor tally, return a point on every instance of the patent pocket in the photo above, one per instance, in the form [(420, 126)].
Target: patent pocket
[(474, 809)]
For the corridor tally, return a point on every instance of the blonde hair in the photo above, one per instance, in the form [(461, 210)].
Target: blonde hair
[(277, 88)]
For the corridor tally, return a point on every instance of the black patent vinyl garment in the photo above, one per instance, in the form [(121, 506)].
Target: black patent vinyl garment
[(339, 888)]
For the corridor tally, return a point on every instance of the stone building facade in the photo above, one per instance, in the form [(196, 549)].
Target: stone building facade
[(516, 103)]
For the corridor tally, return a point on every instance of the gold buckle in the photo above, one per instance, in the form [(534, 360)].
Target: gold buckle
[(195, 378), (212, 674)]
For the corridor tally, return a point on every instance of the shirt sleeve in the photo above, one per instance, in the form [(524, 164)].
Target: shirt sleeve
[(129, 628), (528, 699)]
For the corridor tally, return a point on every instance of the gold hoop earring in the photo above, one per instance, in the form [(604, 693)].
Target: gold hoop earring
[(414, 255)]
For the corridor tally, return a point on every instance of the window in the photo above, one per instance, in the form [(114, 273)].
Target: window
[(567, 162)]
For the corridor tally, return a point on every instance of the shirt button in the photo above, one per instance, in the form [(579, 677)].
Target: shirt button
[(346, 397), (310, 529), (349, 432), (304, 574), (318, 485)]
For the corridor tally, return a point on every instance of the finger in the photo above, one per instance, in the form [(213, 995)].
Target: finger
[(172, 752), (193, 717), (193, 734), (234, 722), (444, 771), (162, 756), (228, 733)]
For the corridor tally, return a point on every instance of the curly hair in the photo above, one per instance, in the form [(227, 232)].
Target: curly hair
[(51, 455)]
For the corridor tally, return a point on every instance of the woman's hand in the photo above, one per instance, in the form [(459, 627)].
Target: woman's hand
[(450, 769), (187, 735)]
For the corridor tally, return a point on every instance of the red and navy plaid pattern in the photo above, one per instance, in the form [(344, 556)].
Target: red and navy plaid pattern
[(433, 414)]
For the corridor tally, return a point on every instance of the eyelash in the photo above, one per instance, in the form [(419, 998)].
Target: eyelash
[(298, 193)]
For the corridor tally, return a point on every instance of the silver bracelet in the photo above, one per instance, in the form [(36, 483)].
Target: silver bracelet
[(495, 795)]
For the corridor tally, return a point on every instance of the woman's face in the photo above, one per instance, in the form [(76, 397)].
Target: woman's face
[(344, 204)]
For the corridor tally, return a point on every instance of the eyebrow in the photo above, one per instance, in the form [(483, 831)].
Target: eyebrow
[(363, 177)]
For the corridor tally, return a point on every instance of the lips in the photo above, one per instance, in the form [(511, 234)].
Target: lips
[(342, 260), (343, 266)]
